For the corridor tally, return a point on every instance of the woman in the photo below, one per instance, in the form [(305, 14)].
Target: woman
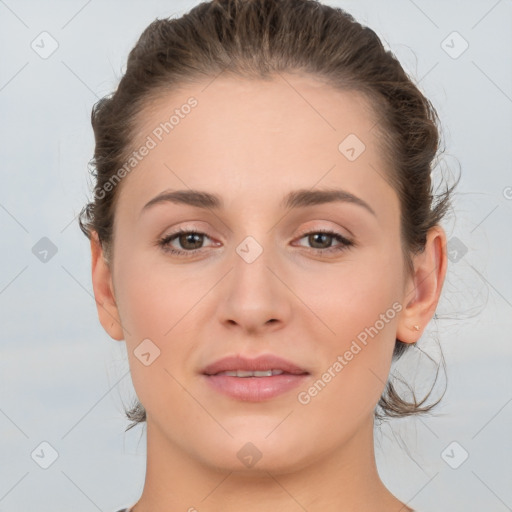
[(265, 240)]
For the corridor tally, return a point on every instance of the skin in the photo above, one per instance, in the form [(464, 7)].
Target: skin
[(252, 142)]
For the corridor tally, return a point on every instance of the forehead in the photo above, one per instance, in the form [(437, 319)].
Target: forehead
[(232, 135), (228, 109)]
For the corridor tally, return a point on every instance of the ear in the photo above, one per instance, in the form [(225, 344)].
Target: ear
[(104, 291), (423, 288)]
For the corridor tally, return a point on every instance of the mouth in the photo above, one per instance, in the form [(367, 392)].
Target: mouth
[(241, 366), (248, 373), (254, 380)]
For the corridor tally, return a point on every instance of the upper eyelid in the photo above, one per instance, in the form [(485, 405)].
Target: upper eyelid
[(303, 233), (314, 229), (326, 230)]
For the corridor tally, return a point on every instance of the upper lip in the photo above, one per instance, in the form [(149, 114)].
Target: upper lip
[(263, 362)]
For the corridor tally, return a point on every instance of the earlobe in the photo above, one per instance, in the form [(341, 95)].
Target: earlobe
[(108, 313), (424, 287)]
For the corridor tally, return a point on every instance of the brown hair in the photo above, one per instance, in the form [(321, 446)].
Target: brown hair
[(257, 39)]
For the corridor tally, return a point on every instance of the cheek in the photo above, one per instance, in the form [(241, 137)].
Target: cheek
[(157, 302), (358, 305), (352, 295), (154, 294)]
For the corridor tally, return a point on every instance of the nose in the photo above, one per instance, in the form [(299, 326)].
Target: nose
[(255, 295)]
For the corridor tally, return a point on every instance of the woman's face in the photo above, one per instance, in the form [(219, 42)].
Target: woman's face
[(259, 278)]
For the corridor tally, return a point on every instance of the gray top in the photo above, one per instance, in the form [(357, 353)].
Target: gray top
[(129, 510)]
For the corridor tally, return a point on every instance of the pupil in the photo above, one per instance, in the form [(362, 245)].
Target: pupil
[(190, 238), (320, 235)]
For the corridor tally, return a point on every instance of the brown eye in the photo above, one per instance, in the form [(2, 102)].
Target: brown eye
[(321, 241), (190, 241), (320, 238), (183, 242)]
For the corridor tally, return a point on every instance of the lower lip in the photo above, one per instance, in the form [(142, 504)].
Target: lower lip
[(255, 389)]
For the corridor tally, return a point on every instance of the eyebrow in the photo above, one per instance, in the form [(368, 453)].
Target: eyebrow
[(296, 199)]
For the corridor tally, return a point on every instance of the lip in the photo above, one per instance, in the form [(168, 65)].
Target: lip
[(254, 389), (263, 362)]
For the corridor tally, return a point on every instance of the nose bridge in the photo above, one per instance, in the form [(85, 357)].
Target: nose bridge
[(251, 274), (253, 294)]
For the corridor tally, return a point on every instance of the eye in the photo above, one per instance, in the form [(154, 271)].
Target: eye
[(324, 239), (190, 241)]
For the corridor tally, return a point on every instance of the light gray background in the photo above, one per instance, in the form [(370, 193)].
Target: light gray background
[(64, 381)]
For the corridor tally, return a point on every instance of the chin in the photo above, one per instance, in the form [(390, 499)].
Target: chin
[(250, 453)]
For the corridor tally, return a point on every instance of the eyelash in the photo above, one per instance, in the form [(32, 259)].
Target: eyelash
[(166, 240)]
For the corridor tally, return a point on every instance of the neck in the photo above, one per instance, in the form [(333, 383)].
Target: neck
[(343, 480)]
